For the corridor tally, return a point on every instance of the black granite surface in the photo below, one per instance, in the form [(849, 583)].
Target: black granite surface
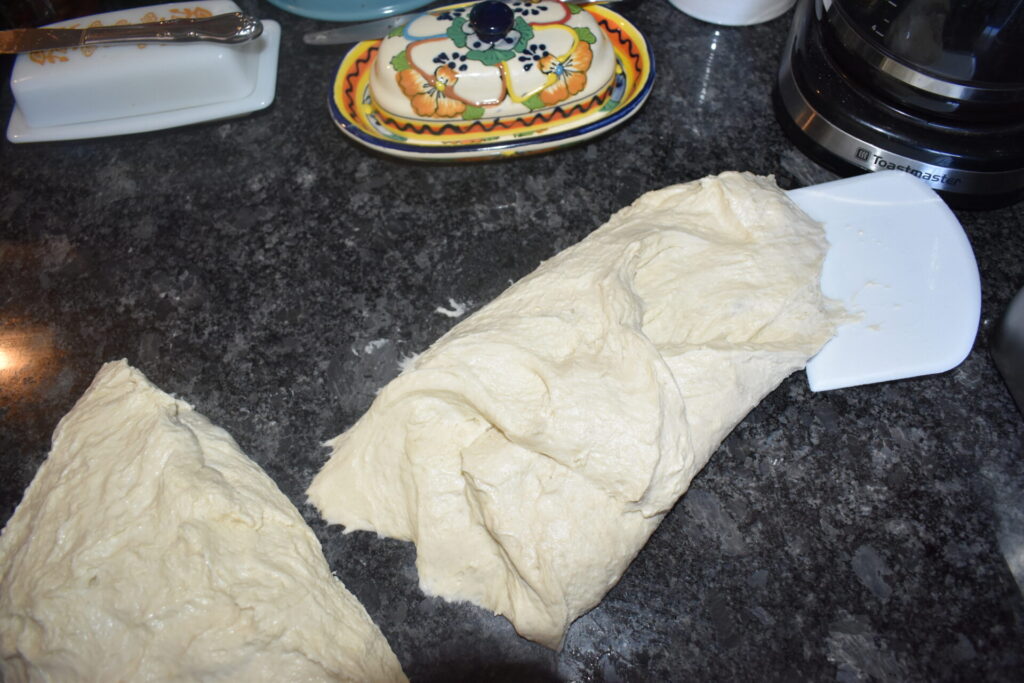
[(274, 274)]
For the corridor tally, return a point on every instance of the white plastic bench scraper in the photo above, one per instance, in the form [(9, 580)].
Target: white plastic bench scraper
[(901, 264)]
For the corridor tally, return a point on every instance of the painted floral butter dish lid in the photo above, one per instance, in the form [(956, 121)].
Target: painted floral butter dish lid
[(492, 59)]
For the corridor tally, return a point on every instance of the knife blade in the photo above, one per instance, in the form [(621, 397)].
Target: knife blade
[(368, 30), (233, 27)]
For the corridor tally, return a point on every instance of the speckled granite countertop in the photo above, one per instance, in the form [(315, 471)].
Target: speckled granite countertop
[(274, 274)]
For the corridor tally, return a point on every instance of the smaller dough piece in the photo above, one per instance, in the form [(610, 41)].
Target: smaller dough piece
[(149, 548), (532, 450)]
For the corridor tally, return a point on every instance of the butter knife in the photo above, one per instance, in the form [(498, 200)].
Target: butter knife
[(368, 30), (233, 27)]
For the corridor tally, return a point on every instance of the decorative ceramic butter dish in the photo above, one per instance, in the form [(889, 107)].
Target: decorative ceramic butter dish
[(493, 78), (116, 89)]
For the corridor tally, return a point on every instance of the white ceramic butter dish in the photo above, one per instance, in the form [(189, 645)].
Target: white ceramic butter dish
[(118, 89)]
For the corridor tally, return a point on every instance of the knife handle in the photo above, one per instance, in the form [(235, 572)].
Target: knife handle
[(233, 27)]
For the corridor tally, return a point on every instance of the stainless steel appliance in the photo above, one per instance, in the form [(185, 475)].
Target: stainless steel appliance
[(934, 88)]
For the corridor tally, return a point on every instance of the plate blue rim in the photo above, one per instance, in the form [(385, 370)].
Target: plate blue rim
[(347, 10)]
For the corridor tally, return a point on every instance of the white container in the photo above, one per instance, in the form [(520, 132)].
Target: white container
[(96, 83), (734, 12)]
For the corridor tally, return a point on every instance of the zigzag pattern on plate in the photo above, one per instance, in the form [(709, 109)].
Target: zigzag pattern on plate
[(353, 75), (623, 39), (501, 124)]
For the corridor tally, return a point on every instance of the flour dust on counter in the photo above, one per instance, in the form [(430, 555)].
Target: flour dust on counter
[(149, 547), (531, 451)]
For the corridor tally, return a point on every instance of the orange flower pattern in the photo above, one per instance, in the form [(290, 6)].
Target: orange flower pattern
[(429, 98), (570, 74)]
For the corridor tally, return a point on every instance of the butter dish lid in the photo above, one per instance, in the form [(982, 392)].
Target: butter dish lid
[(492, 59), (95, 91)]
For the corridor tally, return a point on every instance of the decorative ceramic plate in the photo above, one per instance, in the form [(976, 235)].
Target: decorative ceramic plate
[(353, 110)]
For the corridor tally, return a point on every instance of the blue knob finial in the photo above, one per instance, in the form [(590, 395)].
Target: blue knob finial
[(491, 20)]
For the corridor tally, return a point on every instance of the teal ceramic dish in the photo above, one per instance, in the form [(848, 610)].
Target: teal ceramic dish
[(348, 10)]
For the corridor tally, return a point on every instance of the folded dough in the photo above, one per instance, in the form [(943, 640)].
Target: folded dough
[(149, 547), (533, 449)]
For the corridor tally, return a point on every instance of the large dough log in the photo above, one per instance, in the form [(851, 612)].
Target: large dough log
[(533, 449)]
